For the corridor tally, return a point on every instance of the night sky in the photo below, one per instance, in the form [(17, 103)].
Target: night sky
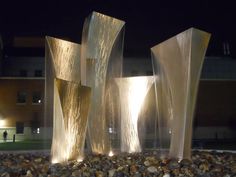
[(147, 22)]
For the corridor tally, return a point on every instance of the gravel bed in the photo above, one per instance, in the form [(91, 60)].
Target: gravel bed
[(203, 164)]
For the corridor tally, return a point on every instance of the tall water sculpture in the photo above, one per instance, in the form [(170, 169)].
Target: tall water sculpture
[(101, 60), (67, 100), (132, 93), (178, 62)]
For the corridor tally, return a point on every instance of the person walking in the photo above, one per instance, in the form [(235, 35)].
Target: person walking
[(5, 135)]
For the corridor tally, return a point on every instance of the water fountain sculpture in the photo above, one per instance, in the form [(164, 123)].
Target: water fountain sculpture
[(101, 61), (82, 92), (67, 101), (178, 62), (132, 94)]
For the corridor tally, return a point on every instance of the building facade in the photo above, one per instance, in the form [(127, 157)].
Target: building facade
[(22, 85), (22, 93), (22, 107)]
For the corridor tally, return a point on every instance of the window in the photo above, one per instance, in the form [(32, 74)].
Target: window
[(134, 73), (21, 97), (35, 124), (36, 98), (23, 73), (19, 127), (38, 73), (149, 73), (35, 130)]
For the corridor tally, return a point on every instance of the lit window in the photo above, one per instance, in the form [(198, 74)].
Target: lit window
[(36, 98), (2, 123), (35, 130), (21, 97), (110, 130)]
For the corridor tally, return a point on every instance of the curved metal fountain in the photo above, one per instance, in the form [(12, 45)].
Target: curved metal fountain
[(101, 60), (178, 63), (97, 64), (67, 101)]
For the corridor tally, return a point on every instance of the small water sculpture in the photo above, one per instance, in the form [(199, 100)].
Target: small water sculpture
[(67, 101), (101, 61), (178, 63), (132, 93)]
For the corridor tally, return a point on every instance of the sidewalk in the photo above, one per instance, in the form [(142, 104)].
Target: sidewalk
[(46, 152), (2, 141)]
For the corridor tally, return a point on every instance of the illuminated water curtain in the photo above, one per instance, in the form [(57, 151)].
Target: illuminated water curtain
[(102, 56), (132, 94), (67, 101), (178, 63)]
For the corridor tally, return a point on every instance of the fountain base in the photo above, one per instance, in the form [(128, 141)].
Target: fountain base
[(209, 163)]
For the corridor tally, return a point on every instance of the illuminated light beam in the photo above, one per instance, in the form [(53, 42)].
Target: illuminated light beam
[(2, 123), (132, 94), (110, 154)]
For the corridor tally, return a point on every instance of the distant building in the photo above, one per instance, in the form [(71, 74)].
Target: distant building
[(22, 93), (22, 107), (22, 79)]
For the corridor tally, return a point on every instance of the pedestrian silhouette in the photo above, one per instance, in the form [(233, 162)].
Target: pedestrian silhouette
[(5, 135)]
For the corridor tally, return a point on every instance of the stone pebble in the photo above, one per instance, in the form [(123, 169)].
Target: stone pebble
[(148, 163)]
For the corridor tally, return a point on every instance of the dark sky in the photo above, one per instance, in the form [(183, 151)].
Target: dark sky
[(147, 22)]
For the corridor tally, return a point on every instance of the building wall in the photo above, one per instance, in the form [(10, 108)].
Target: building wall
[(43, 134), (12, 112), (215, 107), (219, 68), (216, 104), (215, 115), (137, 67), (214, 132), (213, 68), (13, 66)]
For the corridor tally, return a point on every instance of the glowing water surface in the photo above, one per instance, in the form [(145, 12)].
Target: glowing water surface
[(132, 94)]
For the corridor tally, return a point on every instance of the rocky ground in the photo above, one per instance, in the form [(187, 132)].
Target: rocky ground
[(203, 164)]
